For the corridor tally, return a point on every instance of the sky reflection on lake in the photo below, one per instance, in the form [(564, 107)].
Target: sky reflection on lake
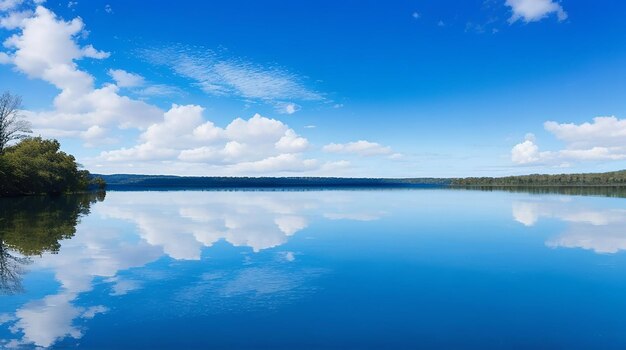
[(400, 268)]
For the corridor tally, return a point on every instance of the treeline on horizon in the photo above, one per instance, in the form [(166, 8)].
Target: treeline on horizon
[(129, 182), (614, 178)]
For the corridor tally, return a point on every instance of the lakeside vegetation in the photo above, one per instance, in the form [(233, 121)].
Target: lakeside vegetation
[(34, 165), (608, 179)]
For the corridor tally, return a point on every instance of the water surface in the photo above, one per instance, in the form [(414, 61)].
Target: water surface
[(426, 268)]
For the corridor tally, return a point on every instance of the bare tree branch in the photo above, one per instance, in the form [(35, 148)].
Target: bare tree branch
[(12, 125), (11, 271)]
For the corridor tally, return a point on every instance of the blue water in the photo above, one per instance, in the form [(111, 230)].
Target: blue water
[(323, 269)]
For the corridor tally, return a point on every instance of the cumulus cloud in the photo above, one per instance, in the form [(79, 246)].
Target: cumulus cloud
[(603, 131), (256, 145), (604, 139), (361, 147), (46, 47), (534, 10), (525, 152)]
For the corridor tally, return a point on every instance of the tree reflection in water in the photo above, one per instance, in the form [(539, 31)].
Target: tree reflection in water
[(34, 225)]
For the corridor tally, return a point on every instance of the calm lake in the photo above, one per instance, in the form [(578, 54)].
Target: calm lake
[(423, 268)]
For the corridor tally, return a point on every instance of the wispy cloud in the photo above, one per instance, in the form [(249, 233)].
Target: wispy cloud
[(361, 147), (157, 90), (137, 84), (126, 79), (217, 75)]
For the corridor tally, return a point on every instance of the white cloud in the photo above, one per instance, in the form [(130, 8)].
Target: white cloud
[(139, 86), (46, 47), (291, 142), (125, 79), (534, 10), (287, 108), (159, 90), (219, 76), (361, 147), (603, 131), (14, 19), (6, 5), (602, 140), (279, 163), (256, 145), (525, 152)]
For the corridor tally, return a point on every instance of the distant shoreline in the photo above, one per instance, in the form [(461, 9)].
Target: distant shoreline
[(591, 180)]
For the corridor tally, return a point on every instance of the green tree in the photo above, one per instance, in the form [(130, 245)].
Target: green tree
[(36, 165)]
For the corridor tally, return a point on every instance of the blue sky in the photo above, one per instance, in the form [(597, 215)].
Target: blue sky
[(350, 88)]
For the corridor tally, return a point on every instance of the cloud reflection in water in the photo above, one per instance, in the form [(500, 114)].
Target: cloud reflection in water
[(591, 227), (178, 225)]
